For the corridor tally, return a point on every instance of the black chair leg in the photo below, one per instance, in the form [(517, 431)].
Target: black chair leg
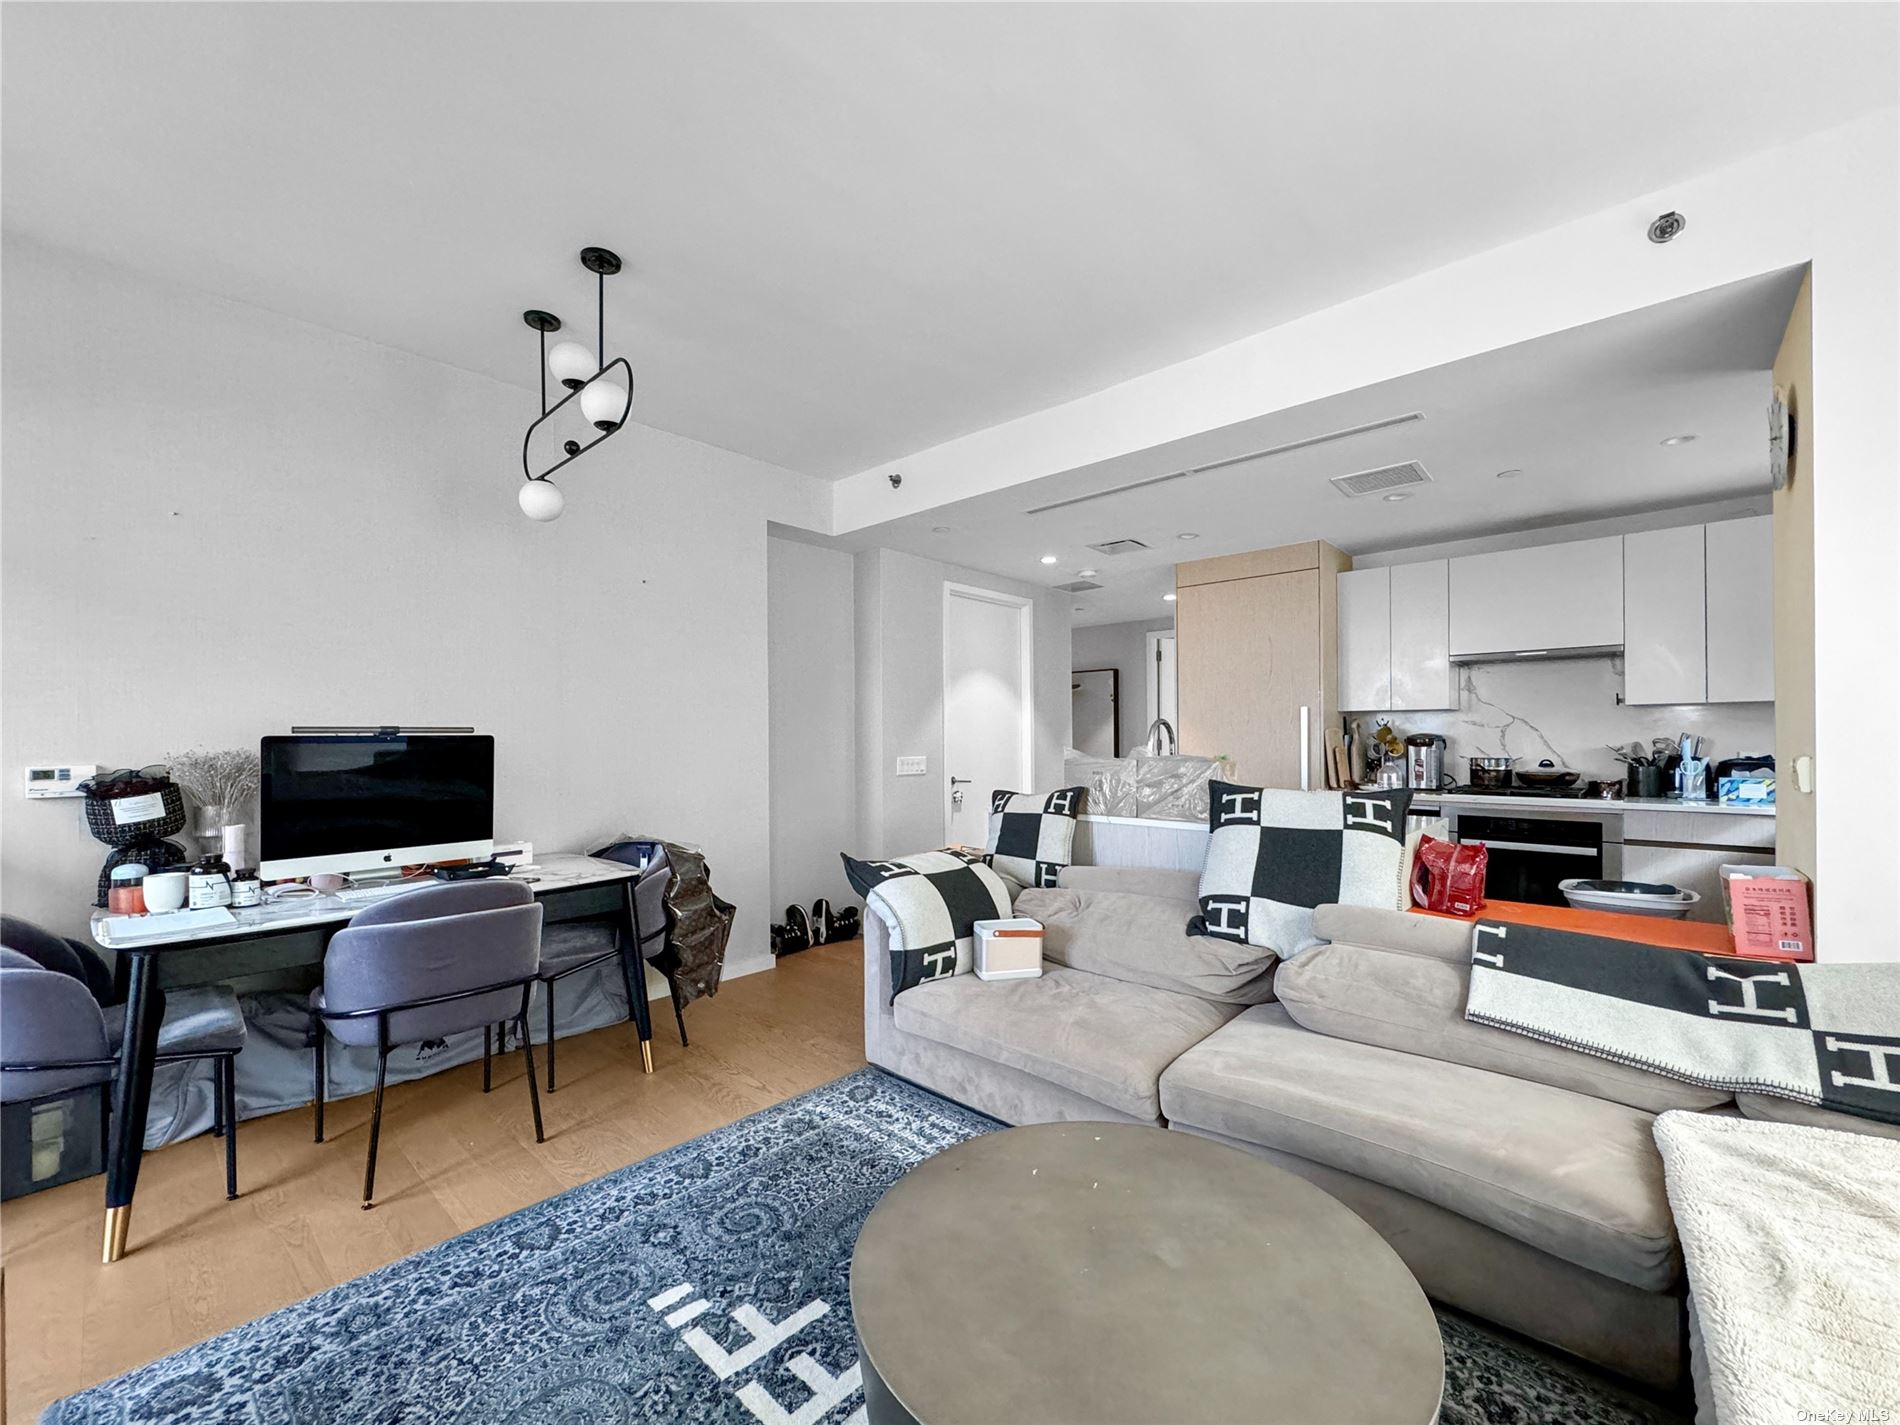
[(323, 1036), (488, 1051), (534, 1092), (679, 1010), (227, 1076), (375, 1129), (548, 986), (105, 1119)]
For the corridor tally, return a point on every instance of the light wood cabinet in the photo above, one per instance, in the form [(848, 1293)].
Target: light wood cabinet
[(1256, 647), (1551, 598), (1741, 598), (1665, 645)]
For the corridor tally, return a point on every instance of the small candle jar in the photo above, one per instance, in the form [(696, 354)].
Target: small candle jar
[(126, 894)]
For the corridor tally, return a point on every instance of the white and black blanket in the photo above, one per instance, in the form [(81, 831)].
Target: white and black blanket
[(929, 903), (1821, 1034)]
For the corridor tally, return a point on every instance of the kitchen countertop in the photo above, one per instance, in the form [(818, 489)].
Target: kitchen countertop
[(1591, 804)]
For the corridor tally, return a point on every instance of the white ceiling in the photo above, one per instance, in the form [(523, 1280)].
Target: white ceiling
[(1581, 413), (854, 231)]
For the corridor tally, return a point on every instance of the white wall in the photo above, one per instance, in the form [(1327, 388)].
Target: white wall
[(899, 601), (811, 628), (1124, 647), (1832, 199), (219, 521)]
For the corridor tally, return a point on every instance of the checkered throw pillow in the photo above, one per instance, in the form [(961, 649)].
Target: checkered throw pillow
[(1032, 835), (1274, 855), (929, 902)]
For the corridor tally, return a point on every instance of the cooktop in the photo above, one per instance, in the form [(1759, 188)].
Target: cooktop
[(1581, 791)]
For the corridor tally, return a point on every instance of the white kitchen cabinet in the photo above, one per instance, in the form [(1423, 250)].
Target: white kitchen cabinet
[(1665, 643), (1550, 598), (1421, 637), (1365, 640), (1741, 601)]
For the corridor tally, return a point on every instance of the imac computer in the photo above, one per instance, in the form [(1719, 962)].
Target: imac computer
[(346, 804)]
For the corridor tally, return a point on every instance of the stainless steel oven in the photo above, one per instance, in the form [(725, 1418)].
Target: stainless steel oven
[(1530, 853)]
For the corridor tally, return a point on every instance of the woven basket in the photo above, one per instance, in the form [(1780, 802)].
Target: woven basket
[(105, 827)]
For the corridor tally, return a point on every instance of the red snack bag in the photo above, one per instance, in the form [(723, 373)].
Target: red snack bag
[(1449, 878)]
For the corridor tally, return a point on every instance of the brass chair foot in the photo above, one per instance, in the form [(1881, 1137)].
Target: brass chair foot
[(118, 1226), (646, 1055)]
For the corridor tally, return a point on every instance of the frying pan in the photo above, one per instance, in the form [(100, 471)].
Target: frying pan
[(1546, 774)]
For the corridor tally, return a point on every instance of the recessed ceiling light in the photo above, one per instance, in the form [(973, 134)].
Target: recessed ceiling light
[(1509, 474), (1398, 495), (1048, 559), (1085, 573), (1679, 440), (1187, 535), (1167, 598), (940, 529)]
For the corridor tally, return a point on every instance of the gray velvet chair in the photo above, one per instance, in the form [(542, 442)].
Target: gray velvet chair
[(60, 1032), (649, 921), (424, 965)]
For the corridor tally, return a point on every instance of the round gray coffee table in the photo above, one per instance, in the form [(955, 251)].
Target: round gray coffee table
[(1095, 1273)]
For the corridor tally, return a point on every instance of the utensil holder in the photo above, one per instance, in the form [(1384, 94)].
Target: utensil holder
[(1646, 782)]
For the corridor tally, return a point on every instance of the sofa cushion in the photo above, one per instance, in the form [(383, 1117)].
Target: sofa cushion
[(1137, 938), (1771, 1108), (1415, 1003), (1434, 935), (1031, 834), (1137, 880), (1274, 856), (1574, 1176), (1103, 1038)]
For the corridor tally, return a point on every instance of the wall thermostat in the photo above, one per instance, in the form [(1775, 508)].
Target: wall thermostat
[(58, 781)]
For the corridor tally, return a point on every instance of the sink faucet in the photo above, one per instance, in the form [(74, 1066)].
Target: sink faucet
[(1153, 743)]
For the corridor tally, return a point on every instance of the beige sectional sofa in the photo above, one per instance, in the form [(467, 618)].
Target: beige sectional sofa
[(1519, 1181)]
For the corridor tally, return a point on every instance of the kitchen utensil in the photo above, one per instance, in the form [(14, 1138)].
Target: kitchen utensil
[(1337, 774), (1630, 898), (1425, 761), (1546, 774), (1491, 774)]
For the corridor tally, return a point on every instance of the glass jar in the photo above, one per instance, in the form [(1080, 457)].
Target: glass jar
[(126, 894)]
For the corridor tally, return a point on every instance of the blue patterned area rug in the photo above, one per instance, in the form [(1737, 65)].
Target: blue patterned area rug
[(708, 1283)]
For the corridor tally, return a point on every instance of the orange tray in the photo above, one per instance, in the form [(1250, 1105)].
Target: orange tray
[(1645, 929)]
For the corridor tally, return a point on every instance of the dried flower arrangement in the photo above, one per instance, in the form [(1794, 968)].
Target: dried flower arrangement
[(217, 779)]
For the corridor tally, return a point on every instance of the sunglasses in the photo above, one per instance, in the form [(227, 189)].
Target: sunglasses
[(155, 773)]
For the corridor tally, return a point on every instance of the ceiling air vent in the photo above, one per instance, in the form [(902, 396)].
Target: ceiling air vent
[(1080, 586), (1377, 482), (1118, 546)]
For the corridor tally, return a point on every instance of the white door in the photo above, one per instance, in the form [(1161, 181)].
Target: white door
[(986, 706), (1161, 685)]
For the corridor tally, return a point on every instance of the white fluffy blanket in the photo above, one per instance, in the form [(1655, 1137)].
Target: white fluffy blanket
[(1791, 1238)]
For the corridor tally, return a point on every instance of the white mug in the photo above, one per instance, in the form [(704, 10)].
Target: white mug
[(165, 890)]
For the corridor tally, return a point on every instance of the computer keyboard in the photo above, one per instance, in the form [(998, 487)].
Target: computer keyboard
[(350, 895)]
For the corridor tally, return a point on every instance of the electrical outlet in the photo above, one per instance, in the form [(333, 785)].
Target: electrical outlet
[(911, 766)]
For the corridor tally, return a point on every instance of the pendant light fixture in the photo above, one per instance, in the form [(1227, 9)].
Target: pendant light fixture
[(603, 388)]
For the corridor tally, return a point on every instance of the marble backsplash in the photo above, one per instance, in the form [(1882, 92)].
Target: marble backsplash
[(1566, 710)]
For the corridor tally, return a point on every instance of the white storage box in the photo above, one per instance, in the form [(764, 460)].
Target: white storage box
[(1008, 949)]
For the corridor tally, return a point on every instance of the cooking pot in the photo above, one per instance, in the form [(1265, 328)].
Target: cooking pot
[(1547, 774), (1491, 774)]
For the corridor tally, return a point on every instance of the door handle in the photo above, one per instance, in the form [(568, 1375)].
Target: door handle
[(959, 781), (1535, 848)]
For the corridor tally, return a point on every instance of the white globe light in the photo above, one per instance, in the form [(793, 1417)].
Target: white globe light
[(541, 501), (570, 363), (604, 402)]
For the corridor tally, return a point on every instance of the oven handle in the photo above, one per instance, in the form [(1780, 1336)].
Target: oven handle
[(1536, 848)]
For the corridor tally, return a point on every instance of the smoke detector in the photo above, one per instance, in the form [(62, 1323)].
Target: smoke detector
[(1378, 482)]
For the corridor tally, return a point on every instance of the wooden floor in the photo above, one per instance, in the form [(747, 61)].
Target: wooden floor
[(451, 1159)]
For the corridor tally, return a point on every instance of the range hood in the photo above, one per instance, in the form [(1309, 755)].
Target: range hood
[(1516, 655)]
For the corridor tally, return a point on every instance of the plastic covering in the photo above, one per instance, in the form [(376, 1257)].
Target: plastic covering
[(1163, 788)]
